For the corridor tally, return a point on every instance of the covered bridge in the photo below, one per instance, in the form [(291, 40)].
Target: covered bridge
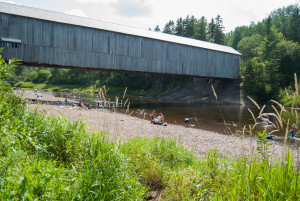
[(45, 38)]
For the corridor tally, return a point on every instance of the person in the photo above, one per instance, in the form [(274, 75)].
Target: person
[(140, 111), (83, 106), (158, 119), (293, 131), (153, 116), (186, 122)]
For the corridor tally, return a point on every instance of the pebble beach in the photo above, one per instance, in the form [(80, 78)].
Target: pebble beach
[(121, 127)]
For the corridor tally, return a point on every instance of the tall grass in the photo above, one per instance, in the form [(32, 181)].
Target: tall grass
[(53, 159)]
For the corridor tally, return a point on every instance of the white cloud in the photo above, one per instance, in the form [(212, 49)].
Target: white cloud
[(132, 8), (76, 12), (9, 1), (95, 1)]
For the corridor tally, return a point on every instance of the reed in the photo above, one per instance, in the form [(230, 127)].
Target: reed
[(214, 92), (287, 93), (124, 92), (126, 102), (216, 97), (292, 108), (254, 102), (278, 116), (296, 84)]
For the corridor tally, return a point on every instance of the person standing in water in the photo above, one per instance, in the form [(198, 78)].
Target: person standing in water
[(186, 122), (293, 131)]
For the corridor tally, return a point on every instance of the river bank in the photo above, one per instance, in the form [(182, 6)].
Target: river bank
[(123, 127), (192, 90)]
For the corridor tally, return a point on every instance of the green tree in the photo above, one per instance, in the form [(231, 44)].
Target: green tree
[(189, 24), (248, 46), (211, 30), (201, 29), (219, 37), (157, 29), (288, 55), (42, 76), (169, 27), (255, 79), (295, 25), (179, 27)]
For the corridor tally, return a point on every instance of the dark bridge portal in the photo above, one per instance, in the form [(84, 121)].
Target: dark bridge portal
[(39, 37)]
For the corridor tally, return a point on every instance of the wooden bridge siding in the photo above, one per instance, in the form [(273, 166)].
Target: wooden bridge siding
[(53, 43)]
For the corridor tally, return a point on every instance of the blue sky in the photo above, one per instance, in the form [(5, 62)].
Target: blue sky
[(149, 13)]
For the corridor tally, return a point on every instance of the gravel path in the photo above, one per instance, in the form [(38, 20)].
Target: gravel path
[(123, 127)]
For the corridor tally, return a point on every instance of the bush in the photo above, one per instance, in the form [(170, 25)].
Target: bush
[(24, 84), (42, 76)]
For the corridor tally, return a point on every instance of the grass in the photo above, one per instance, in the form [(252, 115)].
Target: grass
[(51, 87), (53, 159), (78, 88), (46, 158)]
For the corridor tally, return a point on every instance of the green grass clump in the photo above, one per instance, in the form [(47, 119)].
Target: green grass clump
[(43, 158), (165, 165)]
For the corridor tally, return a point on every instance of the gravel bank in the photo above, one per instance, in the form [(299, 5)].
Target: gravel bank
[(122, 127)]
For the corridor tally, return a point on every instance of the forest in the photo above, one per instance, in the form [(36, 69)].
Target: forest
[(270, 56)]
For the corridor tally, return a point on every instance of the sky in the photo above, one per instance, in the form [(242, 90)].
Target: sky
[(146, 14)]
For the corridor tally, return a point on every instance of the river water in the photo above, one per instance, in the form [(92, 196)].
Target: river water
[(204, 116)]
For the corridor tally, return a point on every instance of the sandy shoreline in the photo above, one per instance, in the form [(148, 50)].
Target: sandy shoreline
[(122, 127)]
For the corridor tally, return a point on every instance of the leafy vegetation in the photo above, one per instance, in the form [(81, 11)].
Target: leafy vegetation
[(270, 53), (46, 158)]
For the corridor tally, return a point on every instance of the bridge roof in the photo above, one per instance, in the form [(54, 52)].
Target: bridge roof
[(36, 13)]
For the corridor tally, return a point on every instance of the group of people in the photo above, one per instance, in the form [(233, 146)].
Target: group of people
[(160, 119), (103, 103)]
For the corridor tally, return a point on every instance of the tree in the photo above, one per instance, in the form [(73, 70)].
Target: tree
[(268, 46), (179, 27), (255, 79), (42, 76), (249, 46), (295, 25), (169, 27), (189, 24), (157, 29), (288, 55), (219, 37), (211, 30), (201, 29)]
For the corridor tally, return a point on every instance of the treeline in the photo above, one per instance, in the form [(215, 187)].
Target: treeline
[(200, 29), (270, 53), (57, 76), (270, 48)]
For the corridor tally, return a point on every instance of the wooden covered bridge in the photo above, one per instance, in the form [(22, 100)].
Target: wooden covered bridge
[(45, 38)]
